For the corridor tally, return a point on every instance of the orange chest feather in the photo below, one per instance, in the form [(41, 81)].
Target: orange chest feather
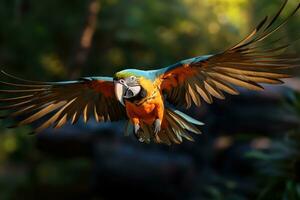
[(147, 109), (141, 110)]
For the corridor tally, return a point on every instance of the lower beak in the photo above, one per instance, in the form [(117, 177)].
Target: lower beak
[(119, 91)]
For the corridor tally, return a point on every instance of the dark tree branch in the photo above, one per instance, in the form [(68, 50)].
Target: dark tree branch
[(79, 60)]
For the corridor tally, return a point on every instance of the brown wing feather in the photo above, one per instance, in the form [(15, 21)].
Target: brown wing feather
[(246, 64), (56, 103)]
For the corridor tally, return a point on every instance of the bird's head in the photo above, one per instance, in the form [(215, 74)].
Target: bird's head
[(127, 85)]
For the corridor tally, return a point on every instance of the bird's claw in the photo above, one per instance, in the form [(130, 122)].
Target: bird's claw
[(157, 126)]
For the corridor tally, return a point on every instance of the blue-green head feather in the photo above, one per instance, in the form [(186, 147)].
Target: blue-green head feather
[(150, 74)]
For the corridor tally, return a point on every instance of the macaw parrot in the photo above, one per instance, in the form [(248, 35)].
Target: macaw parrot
[(144, 97)]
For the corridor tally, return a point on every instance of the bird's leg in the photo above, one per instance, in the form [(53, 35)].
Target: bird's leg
[(137, 132), (157, 126), (137, 129), (159, 112)]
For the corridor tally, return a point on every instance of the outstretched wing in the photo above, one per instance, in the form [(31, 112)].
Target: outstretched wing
[(56, 103), (246, 64)]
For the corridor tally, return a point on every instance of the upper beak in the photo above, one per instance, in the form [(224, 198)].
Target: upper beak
[(119, 91)]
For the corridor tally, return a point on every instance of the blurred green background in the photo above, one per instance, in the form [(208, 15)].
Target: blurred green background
[(250, 146)]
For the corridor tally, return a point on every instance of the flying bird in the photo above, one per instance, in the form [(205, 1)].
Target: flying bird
[(145, 98)]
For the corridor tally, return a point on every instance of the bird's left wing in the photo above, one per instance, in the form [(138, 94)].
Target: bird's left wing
[(246, 64), (56, 103)]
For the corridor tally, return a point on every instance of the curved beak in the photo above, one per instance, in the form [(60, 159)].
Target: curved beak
[(119, 91)]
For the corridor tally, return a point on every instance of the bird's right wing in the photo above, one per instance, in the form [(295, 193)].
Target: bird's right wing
[(56, 103)]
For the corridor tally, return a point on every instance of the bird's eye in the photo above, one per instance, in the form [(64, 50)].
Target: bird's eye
[(132, 78)]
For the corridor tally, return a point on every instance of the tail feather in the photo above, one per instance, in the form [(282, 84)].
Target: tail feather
[(178, 127), (185, 121)]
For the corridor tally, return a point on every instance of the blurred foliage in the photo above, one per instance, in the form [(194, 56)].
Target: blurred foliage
[(38, 40), (129, 33), (279, 166)]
